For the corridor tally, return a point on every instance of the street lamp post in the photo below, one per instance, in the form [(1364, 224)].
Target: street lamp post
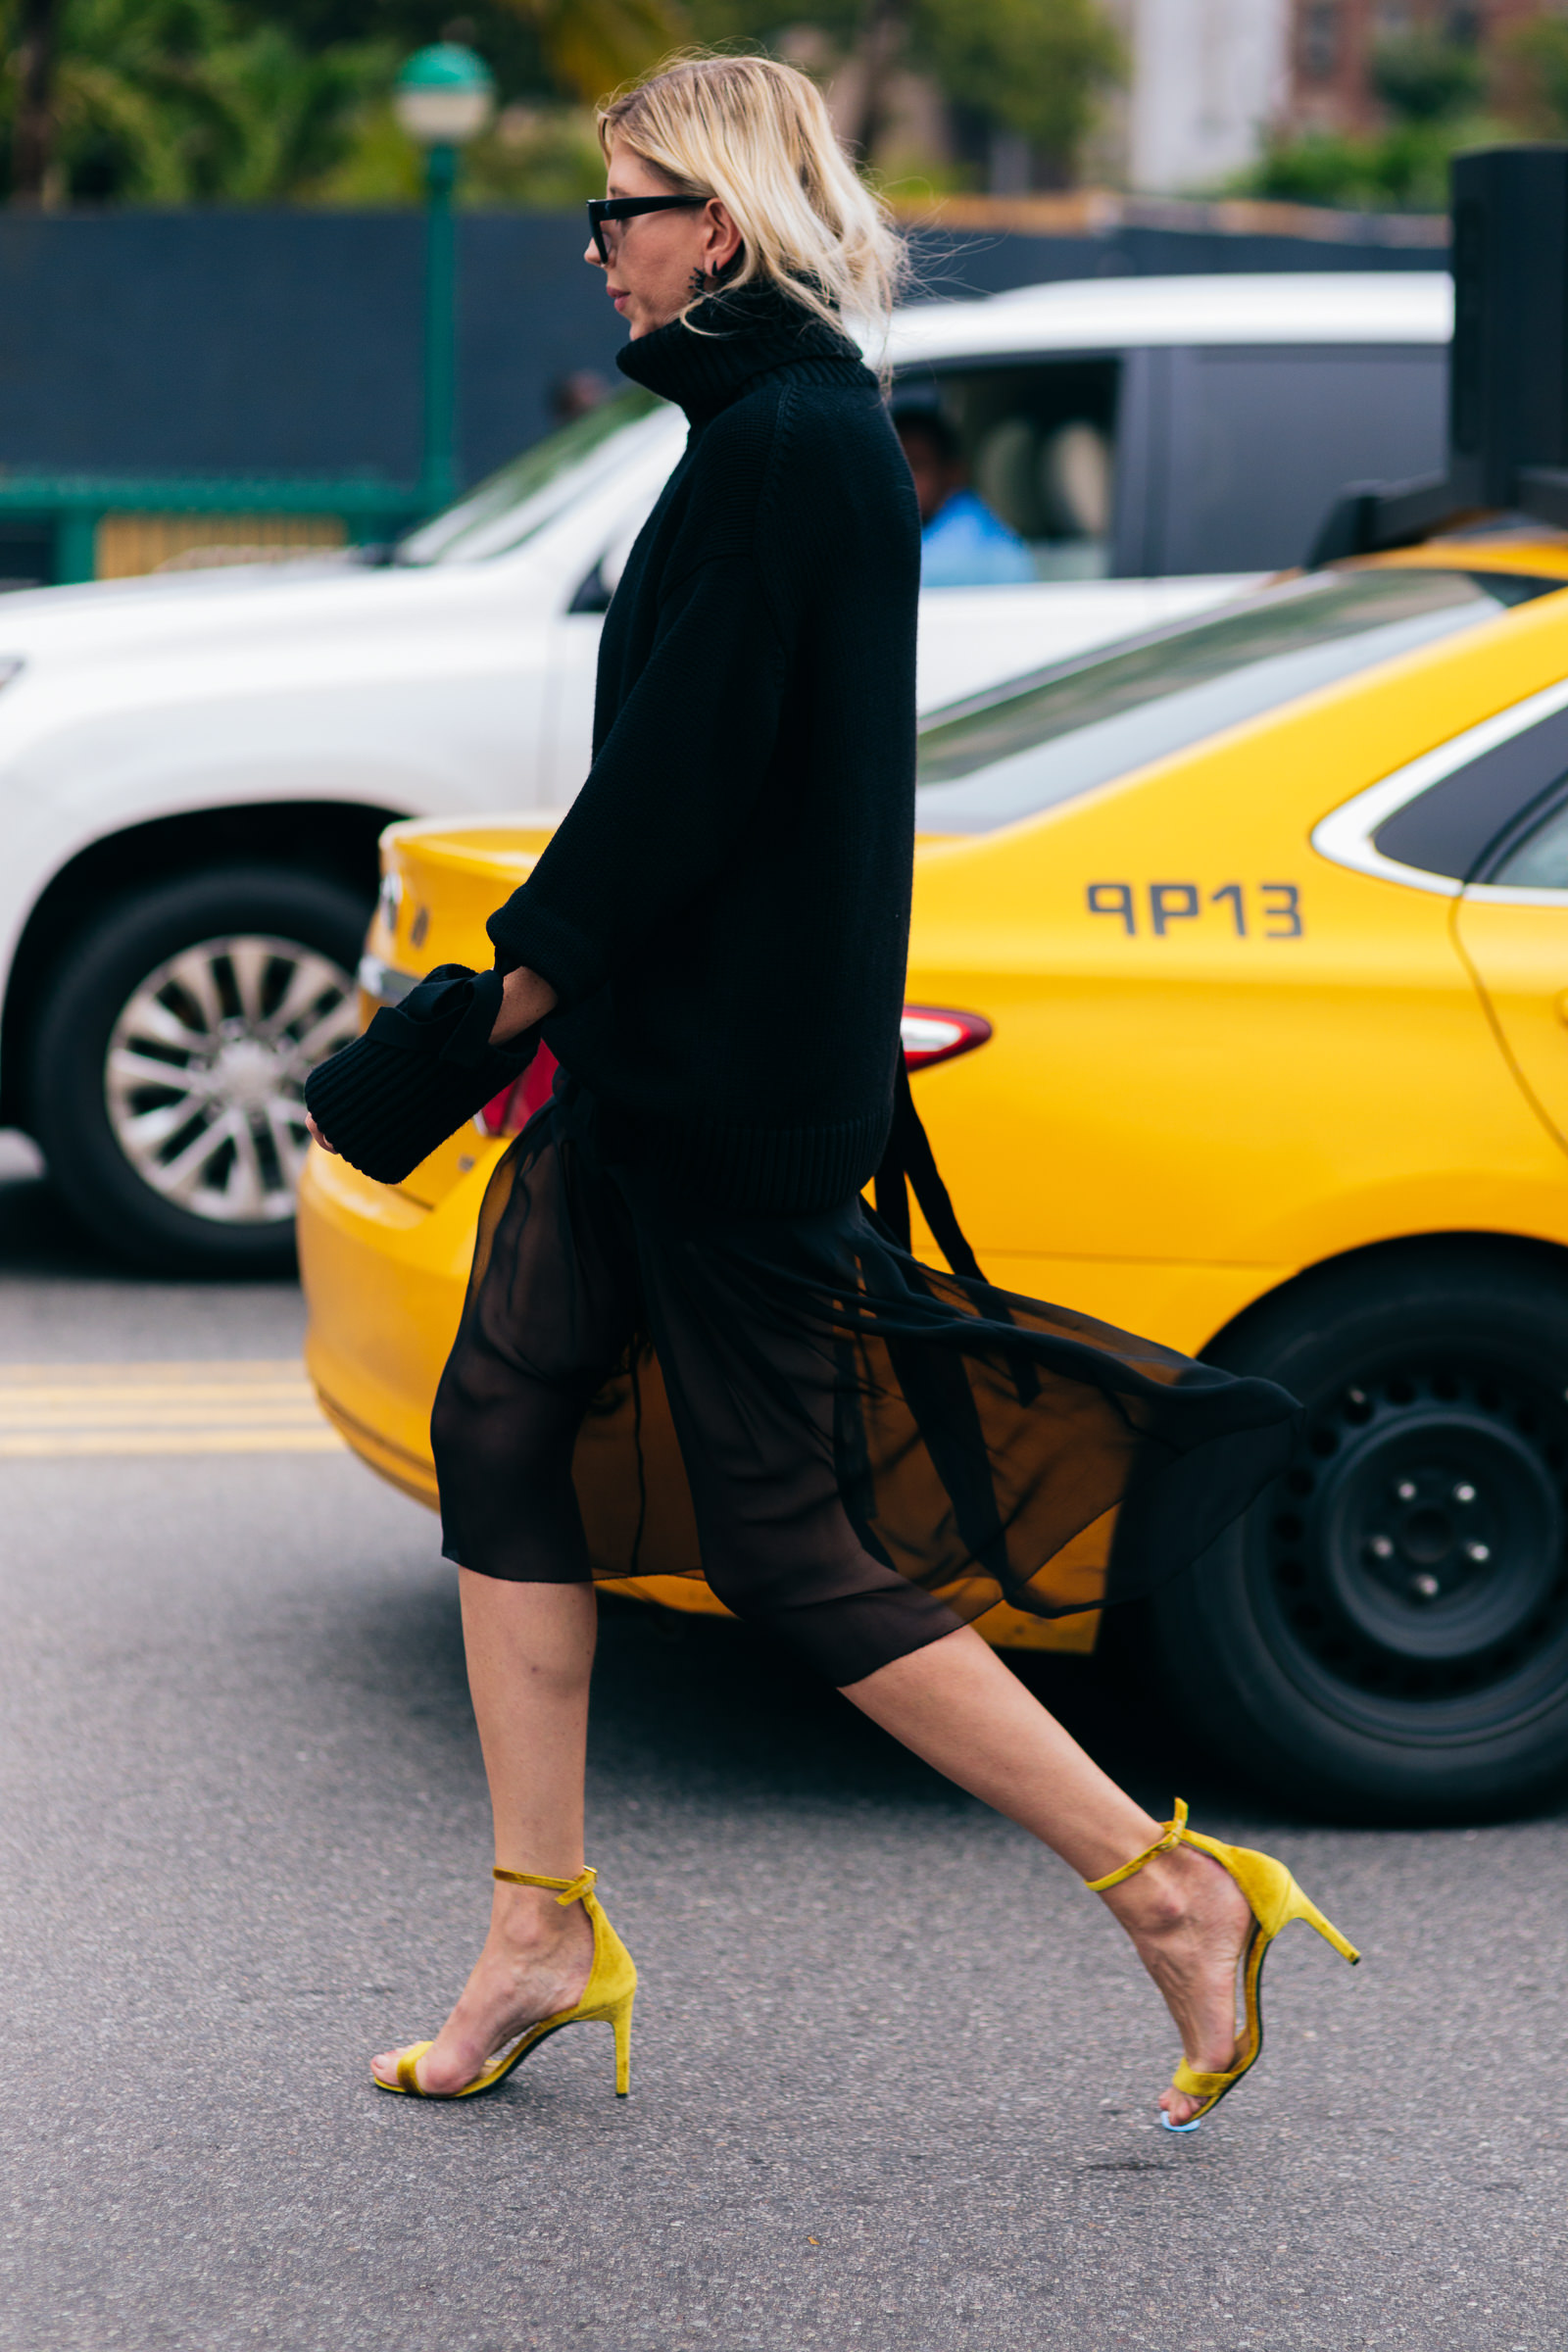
[(443, 98)]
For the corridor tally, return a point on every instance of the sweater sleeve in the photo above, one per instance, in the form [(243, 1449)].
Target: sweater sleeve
[(674, 784)]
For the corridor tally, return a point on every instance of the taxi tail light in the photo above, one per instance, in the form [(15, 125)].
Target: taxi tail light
[(932, 1034), (510, 1111)]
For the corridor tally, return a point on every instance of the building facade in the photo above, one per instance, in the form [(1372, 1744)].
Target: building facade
[(1332, 44), (1209, 78), (1212, 80)]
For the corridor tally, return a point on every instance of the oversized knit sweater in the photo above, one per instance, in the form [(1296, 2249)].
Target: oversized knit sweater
[(724, 911)]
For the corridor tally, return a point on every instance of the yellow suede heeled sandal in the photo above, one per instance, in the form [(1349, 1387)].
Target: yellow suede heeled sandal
[(1275, 1900), (606, 1998)]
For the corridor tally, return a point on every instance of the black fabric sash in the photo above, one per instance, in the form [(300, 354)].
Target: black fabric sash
[(910, 1164)]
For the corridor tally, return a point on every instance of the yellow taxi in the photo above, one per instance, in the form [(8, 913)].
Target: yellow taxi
[(1238, 1002)]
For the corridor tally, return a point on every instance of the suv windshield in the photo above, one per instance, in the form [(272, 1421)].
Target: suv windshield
[(518, 501), (1047, 738)]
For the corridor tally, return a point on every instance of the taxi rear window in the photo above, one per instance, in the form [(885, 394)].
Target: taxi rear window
[(1043, 739)]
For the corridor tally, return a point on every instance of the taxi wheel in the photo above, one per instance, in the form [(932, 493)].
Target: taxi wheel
[(167, 1065), (1385, 1635)]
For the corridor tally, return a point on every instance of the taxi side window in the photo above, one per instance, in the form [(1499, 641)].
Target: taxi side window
[(1540, 860), (1458, 825)]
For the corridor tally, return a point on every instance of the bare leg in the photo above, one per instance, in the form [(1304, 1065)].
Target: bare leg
[(530, 1650), (955, 1704)]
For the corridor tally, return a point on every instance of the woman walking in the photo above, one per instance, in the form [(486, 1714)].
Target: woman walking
[(677, 1288)]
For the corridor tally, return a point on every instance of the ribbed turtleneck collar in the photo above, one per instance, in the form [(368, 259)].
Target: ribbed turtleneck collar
[(739, 335)]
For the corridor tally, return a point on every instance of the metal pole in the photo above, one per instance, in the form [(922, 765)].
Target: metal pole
[(75, 545), (438, 474)]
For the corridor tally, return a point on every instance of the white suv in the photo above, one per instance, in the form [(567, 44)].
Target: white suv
[(194, 770)]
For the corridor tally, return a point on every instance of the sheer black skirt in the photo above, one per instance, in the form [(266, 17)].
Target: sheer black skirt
[(855, 1449)]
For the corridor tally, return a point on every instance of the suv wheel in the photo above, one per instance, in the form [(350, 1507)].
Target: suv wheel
[(1386, 1632), (167, 1070)]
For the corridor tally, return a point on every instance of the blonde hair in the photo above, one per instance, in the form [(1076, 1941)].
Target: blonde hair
[(755, 134)]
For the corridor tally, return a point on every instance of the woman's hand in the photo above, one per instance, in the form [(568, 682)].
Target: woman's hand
[(317, 1137), (524, 999)]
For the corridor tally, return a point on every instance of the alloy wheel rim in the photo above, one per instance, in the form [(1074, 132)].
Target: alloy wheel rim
[(204, 1078)]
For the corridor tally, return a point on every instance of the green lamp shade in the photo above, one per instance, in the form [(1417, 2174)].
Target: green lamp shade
[(444, 95)]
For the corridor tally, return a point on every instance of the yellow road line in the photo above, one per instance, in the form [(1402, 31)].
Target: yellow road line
[(261, 1367), (213, 1441), (240, 1406), (165, 1392), (121, 1405)]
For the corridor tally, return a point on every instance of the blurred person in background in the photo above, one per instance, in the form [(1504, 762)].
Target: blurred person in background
[(676, 1269), (577, 394), (962, 544)]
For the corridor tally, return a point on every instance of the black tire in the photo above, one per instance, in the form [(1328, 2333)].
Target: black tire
[(1385, 1636), (96, 1123)]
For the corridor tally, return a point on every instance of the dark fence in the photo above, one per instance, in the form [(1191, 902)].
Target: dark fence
[(256, 342)]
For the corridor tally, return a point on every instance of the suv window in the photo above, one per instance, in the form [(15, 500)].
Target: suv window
[(1045, 738), (1039, 444), (518, 501)]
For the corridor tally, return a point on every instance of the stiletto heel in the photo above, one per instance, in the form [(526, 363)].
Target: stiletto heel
[(1325, 1928), (606, 1998), (621, 2018), (1274, 1899)]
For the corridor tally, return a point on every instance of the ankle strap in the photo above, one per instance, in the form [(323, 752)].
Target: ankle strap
[(1175, 1834), (572, 1890)]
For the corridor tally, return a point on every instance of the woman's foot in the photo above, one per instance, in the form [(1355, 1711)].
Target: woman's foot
[(1190, 1922), (536, 1961)]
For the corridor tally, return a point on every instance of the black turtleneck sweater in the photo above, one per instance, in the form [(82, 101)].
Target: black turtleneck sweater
[(724, 911)]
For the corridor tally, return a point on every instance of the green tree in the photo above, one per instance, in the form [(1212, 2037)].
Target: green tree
[(297, 113), (173, 101), (1039, 68), (1540, 52), (545, 157), (250, 101), (1405, 168), (1421, 78), (591, 46), (1433, 91), (539, 152)]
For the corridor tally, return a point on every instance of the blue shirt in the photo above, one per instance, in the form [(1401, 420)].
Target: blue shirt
[(965, 546)]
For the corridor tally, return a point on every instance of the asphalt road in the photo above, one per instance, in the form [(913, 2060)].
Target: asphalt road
[(893, 2075)]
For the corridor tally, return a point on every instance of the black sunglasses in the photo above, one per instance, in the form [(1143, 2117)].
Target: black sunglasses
[(627, 208)]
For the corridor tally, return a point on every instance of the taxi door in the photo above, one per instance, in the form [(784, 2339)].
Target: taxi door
[(1512, 928)]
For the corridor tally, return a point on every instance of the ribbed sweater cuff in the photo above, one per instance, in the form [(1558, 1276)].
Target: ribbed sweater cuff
[(526, 932), (758, 1171)]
